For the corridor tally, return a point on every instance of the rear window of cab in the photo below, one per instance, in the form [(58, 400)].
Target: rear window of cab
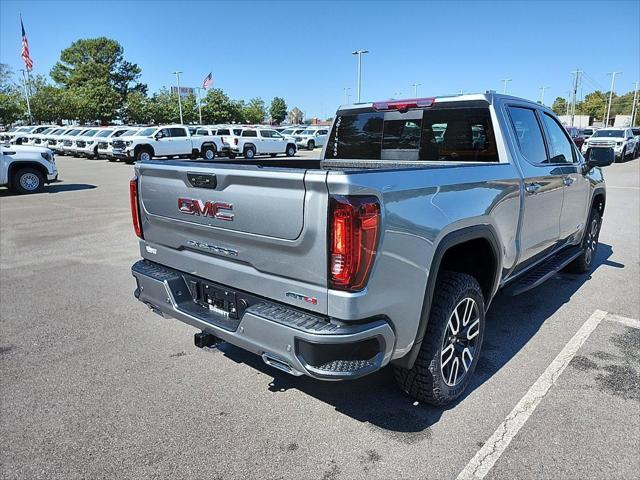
[(434, 134)]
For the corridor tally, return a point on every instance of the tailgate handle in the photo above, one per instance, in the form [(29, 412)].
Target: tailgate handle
[(202, 180)]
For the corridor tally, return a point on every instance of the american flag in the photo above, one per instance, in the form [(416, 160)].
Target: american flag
[(208, 81), (28, 63)]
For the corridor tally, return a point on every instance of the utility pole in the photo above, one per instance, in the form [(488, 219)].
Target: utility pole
[(634, 108), (415, 89), (346, 95), (542, 89), (613, 80), (177, 74), (359, 53), (574, 93), (199, 104), (26, 94), (505, 81)]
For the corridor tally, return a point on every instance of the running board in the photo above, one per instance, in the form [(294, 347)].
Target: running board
[(543, 272)]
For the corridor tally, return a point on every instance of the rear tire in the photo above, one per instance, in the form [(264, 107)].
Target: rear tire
[(209, 152), (28, 180), (452, 343), (249, 153), (583, 263)]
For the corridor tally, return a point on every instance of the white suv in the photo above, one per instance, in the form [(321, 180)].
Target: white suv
[(621, 139), (312, 137), (257, 141)]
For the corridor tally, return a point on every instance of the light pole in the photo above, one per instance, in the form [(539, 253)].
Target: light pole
[(346, 95), (542, 89), (177, 74), (359, 53), (505, 81), (415, 89), (26, 94), (613, 80), (199, 104)]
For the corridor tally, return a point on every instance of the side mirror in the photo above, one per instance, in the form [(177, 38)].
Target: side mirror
[(599, 157), (159, 135)]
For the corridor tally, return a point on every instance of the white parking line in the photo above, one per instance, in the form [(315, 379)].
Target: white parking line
[(629, 322), (489, 454)]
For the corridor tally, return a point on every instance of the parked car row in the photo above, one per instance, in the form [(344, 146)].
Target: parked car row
[(624, 141), (134, 143)]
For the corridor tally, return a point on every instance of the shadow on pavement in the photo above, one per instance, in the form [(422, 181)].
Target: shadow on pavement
[(57, 187), (511, 322)]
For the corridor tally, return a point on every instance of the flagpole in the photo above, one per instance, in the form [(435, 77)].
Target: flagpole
[(199, 104), (26, 94)]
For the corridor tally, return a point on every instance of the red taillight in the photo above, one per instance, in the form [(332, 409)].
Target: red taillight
[(354, 224), (135, 210), (404, 105)]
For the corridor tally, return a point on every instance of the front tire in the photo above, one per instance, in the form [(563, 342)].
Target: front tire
[(28, 180), (584, 262), (311, 144), (291, 150), (209, 152), (143, 155), (452, 343), (623, 154)]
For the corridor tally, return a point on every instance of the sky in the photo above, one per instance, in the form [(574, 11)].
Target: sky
[(302, 50)]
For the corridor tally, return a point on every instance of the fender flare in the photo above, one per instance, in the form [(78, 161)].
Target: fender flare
[(247, 145), (16, 165), (486, 232), (600, 190), (145, 146)]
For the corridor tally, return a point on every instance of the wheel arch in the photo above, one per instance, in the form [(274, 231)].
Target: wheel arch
[(144, 146), (446, 256), (599, 200), (14, 167)]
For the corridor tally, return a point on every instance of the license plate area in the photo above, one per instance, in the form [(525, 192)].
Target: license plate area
[(218, 300)]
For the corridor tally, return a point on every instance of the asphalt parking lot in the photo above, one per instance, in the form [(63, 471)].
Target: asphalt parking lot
[(94, 385)]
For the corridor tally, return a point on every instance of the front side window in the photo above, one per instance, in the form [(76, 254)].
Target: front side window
[(265, 133), (560, 147), (529, 135)]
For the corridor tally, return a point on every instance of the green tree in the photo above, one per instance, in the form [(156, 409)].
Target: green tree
[(10, 97), (217, 107), (137, 109), (94, 70), (189, 109), (254, 111), (559, 106), (164, 107), (278, 110), (594, 104)]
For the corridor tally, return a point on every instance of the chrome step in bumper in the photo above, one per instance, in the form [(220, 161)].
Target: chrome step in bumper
[(292, 340)]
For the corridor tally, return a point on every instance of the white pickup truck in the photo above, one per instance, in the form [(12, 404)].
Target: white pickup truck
[(256, 141), (166, 141), (26, 169)]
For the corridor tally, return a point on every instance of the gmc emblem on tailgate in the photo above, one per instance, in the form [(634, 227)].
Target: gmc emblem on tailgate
[(206, 209)]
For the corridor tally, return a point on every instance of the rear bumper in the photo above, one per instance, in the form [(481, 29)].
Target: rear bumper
[(292, 340)]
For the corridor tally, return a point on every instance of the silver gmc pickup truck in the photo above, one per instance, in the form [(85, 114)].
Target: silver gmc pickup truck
[(387, 250)]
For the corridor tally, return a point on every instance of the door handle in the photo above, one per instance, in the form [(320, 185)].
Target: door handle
[(532, 188), (567, 181)]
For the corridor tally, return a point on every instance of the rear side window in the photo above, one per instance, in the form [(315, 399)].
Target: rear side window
[(529, 134), (178, 132), (463, 134), (249, 133), (266, 133), (223, 131), (201, 132)]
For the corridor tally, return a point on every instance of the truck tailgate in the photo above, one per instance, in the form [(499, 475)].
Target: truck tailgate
[(212, 221)]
